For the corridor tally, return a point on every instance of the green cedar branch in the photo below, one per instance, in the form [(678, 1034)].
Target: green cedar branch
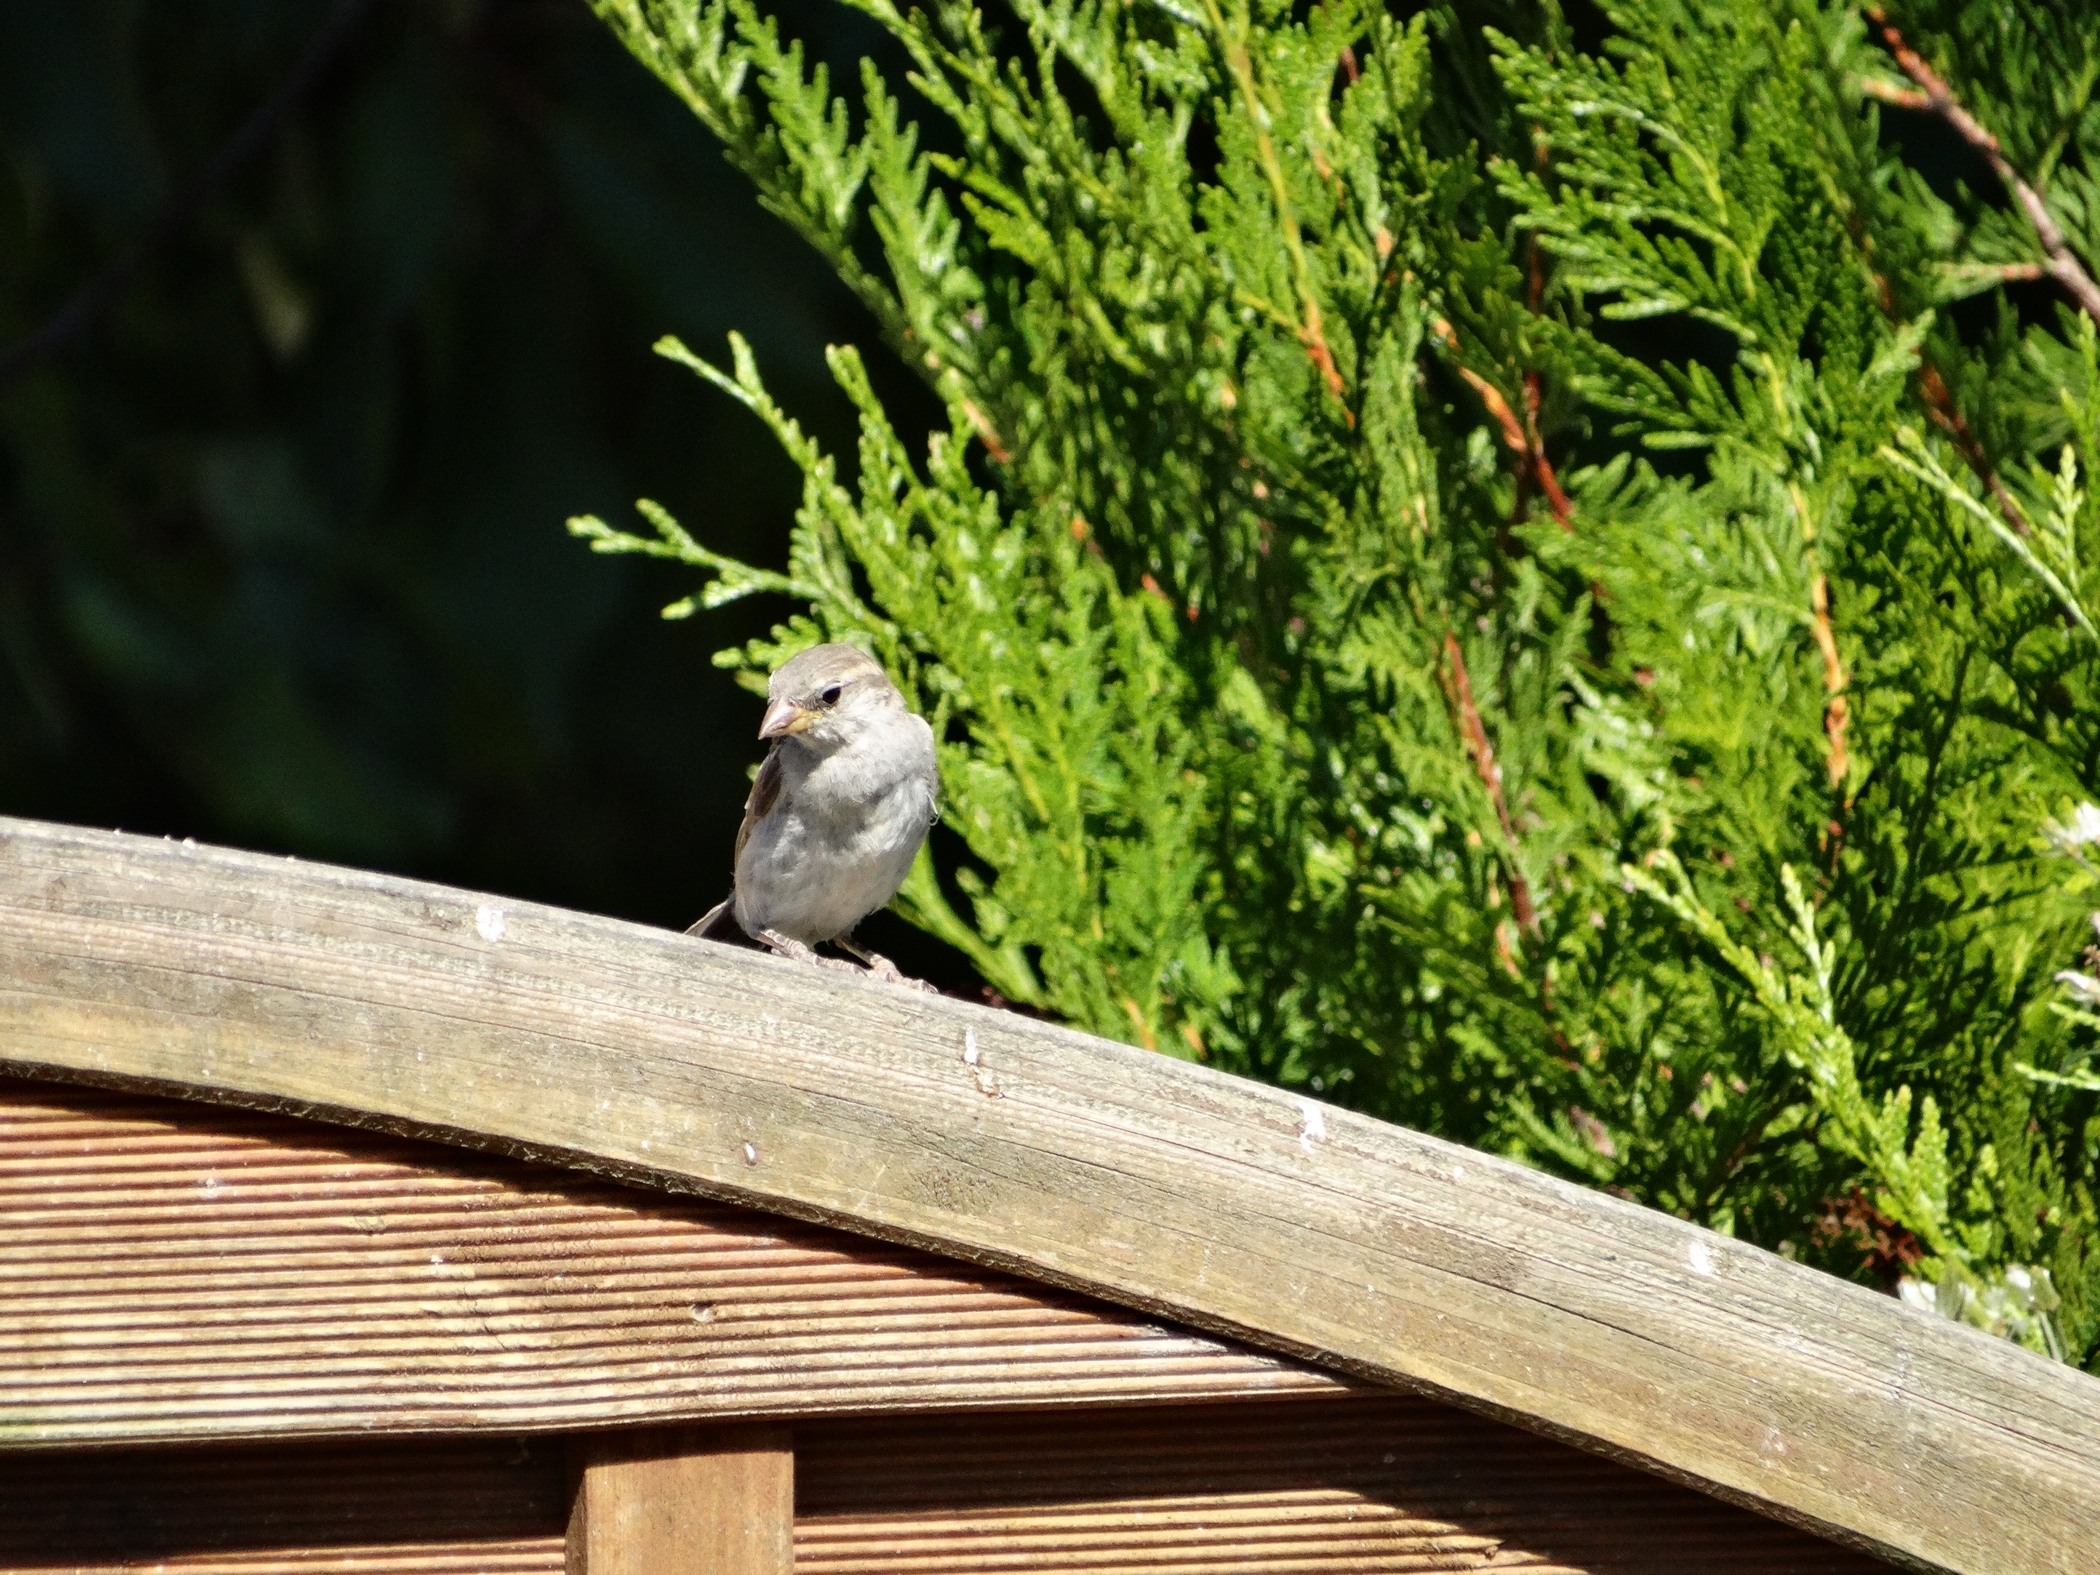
[(1936, 96)]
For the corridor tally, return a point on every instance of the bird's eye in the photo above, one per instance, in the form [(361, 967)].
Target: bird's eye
[(831, 695)]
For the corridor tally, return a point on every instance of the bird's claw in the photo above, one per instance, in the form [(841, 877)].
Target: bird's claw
[(889, 973), (798, 951), (881, 968)]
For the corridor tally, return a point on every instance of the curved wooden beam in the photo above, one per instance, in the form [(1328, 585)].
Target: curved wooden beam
[(1146, 1181)]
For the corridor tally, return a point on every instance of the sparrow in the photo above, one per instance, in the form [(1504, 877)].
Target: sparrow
[(841, 804)]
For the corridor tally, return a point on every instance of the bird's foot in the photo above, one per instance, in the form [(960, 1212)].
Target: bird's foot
[(880, 967), (797, 951)]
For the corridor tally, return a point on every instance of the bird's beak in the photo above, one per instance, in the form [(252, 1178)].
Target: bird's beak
[(784, 717)]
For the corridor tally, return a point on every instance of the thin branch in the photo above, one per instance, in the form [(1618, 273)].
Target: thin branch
[(1837, 711), (1519, 435), (1939, 400), (1459, 686), (1542, 467), (1947, 416), (1889, 93), (1837, 714), (1540, 471), (80, 314), (1918, 462), (986, 432), (2063, 265), (2004, 273), (1310, 331)]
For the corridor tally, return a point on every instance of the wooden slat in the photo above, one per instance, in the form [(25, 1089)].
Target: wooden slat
[(1320, 1487), (1241, 1209), (685, 1501), (176, 1270), (531, 1556), (1358, 1488), (404, 1507)]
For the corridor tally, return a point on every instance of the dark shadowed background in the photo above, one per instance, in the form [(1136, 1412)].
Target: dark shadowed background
[(282, 558)]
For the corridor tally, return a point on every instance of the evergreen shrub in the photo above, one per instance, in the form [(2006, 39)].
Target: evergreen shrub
[(1521, 571)]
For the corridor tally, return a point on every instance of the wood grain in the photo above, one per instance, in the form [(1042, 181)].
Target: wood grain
[(685, 1501), (403, 1507), (1360, 1487), (1312, 1487), (1241, 1209), (176, 1271)]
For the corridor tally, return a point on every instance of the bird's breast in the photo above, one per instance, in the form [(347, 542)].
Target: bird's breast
[(840, 838)]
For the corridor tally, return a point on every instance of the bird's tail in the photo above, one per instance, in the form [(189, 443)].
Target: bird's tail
[(718, 921)]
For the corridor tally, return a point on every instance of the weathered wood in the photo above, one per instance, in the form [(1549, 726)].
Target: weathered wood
[(685, 1501), (1315, 1487), (403, 1507), (174, 1271), (1163, 1186), (1358, 1487)]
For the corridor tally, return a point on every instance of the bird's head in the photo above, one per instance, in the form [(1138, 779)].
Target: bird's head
[(823, 697)]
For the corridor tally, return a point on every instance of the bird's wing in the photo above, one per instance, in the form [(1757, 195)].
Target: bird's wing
[(764, 792)]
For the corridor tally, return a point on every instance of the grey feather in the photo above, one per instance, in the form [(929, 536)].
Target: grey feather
[(841, 805)]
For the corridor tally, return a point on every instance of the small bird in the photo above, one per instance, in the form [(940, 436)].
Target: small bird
[(837, 814)]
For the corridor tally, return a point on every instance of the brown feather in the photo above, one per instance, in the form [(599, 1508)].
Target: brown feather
[(710, 925), (763, 792), (716, 921)]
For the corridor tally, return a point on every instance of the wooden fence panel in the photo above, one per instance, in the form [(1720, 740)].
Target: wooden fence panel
[(1243, 1210), (183, 1271)]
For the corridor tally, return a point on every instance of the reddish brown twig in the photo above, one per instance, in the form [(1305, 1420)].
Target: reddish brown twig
[(1837, 710), (1947, 416), (1519, 435), (1541, 467), (1458, 686), (987, 434), (1837, 713), (1939, 400), (1311, 334), (2004, 273), (1935, 97), (1314, 338)]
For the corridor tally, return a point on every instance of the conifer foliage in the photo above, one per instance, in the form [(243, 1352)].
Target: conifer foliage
[(1528, 577)]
